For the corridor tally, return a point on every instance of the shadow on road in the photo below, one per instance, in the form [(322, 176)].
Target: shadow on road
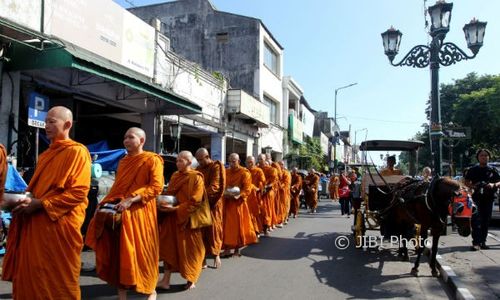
[(355, 272)]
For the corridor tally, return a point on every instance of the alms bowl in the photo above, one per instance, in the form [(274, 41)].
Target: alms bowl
[(11, 199), (233, 191), (167, 199)]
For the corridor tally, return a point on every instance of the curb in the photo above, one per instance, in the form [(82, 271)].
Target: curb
[(451, 278)]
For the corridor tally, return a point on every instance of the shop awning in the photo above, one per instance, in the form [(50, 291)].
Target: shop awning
[(71, 56)]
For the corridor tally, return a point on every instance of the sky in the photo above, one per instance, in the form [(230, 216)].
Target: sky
[(332, 43)]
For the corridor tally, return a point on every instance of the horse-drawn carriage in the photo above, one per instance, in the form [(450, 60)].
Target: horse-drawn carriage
[(376, 196), (406, 203)]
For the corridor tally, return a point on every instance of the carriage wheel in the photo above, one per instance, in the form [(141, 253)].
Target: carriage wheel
[(359, 228), (372, 221)]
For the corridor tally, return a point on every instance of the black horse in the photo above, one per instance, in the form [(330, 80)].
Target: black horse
[(428, 204)]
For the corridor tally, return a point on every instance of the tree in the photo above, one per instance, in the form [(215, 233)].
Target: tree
[(474, 102), (309, 155)]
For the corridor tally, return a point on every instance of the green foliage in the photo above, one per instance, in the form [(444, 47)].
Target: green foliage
[(474, 102), (310, 155)]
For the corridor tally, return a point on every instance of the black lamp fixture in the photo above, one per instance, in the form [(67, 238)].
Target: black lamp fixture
[(175, 134), (435, 54)]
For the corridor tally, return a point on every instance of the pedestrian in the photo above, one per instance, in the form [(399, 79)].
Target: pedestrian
[(295, 189), (269, 193), (43, 252), (238, 228), (344, 194), (311, 190), (485, 181), (181, 238), (255, 197), (214, 176), (139, 179)]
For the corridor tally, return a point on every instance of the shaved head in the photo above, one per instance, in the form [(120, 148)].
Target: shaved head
[(235, 156), (62, 113), (138, 132), (58, 123), (201, 152), (203, 157), (187, 155)]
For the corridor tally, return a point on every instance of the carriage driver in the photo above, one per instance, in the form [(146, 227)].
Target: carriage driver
[(390, 169)]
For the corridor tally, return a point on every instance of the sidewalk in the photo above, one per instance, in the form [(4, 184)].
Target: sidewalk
[(472, 275)]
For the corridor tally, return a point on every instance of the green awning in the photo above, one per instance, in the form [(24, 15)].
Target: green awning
[(71, 56)]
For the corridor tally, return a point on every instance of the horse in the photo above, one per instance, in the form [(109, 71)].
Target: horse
[(428, 204)]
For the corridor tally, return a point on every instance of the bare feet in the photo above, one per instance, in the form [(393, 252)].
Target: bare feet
[(164, 283), (189, 286), (217, 262), (152, 296)]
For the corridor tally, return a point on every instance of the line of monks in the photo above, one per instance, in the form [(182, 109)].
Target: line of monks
[(211, 219)]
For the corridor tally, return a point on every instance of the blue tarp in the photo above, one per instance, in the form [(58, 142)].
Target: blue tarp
[(109, 159), (14, 182), (98, 147)]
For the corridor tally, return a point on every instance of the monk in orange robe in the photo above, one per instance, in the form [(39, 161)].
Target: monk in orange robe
[(333, 187), (269, 195), (311, 190), (3, 170), (255, 197), (278, 209), (181, 247), (295, 188), (43, 252), (238, 228), (214, 175), (286, 180), (139, 179)]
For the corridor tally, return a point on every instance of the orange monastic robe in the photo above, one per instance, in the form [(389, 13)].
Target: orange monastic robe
[(238, 228), (255, 198), (311, 190), (296, 187), (181, 247), (3, 170), (268, 199), (43, 252), (286, 180), (215, 182), (333, 187), (128, 257), (279, 196)]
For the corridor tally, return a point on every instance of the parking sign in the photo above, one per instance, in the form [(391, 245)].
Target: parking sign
[(37, 110)]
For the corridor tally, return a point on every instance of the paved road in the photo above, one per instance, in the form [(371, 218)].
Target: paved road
[(299, 261)]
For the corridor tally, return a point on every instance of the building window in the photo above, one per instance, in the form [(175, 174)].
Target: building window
[(271, 59), (222, 37), (272, 109)]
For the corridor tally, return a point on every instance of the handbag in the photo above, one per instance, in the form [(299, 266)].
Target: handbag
[(202, 216), (344, 192)]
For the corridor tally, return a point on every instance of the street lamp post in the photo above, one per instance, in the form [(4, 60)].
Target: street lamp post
[(336, 125), (355, 141), (433, 55)]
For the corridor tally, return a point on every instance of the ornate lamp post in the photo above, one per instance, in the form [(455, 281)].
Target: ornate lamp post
[(335, 162), (435, 54), (175, 134)]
